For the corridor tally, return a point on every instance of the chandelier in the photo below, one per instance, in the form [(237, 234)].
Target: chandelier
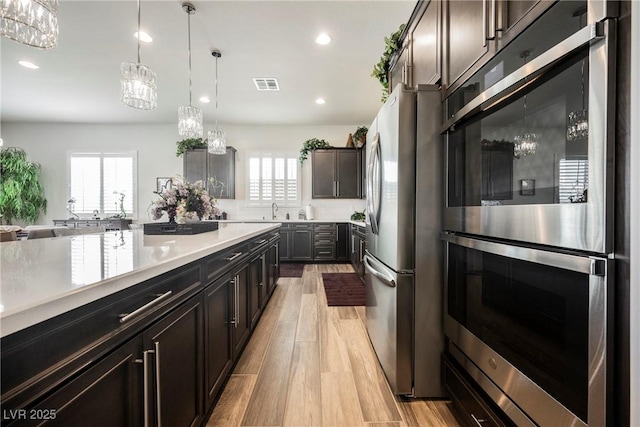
[(578, 123), (138, 87), (216, 141), (189, 117), (526, 143), (30, 22)]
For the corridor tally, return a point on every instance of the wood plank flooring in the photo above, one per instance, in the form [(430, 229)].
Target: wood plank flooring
[(308, 364)]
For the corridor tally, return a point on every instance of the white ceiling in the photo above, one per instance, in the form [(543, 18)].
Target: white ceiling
[(79, 80)]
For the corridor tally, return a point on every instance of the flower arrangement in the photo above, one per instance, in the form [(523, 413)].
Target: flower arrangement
[(185, 202)]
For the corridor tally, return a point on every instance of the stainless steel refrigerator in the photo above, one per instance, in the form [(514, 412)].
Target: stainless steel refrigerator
[(403, 260)]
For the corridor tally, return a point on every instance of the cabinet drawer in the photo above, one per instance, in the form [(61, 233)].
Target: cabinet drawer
[(324, 240), (258, 242), (220, 262), (476, 410), (81, 224), (324, 252), (297, 226)]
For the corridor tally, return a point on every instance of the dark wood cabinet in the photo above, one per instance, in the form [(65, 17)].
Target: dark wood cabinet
[(240, 308), (285, 243), (257, 288), (336, 173), (108, 394), (199, 164), (109, 224), (358, 240), (466, 38), (175, 344), (302, 242), (342, 242), (218, 348), (273, 261)]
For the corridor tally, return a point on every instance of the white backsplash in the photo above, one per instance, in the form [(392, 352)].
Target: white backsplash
[(322, 209)]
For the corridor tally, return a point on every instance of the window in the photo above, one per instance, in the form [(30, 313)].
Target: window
[(97, 181), (273, 178), (574, 177)]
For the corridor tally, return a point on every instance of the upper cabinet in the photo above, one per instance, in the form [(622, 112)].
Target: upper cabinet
[(418, 61), (199, 164), (473, 31), (336, 173)]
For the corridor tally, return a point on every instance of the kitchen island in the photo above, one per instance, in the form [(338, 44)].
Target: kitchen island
[(123, 328)]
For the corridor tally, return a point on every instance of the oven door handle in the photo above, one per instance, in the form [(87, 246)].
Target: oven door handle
[(380, 276), (534, 67), (593, 266)]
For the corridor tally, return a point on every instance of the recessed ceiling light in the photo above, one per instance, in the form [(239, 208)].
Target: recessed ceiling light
[(27, 64), (323, 39), (320, 101), (144, 37), (205, 99)]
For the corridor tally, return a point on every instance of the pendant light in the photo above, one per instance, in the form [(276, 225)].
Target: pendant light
[(526, 143), (189, 117), (30, 22), (578, 122), (138, 88), (216, 142)]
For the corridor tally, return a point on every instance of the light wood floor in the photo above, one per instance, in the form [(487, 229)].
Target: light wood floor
[(308, 364)]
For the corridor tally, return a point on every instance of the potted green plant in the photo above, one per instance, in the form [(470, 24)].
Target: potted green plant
[(381, 69), (360, 136), (311, 144), (21, 194), (189, 144)]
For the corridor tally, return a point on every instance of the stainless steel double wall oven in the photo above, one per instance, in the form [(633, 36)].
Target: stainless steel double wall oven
[(528, 219)]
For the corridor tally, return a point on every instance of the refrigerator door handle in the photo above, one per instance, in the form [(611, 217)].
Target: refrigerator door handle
[(374, 183), (380, 276)]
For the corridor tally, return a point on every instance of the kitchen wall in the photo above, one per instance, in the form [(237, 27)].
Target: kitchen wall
[(49, 143)]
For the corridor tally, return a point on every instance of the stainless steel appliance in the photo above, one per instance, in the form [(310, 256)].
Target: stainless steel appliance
[(403, 261), (528, 220), (530, 136), (533, 328)]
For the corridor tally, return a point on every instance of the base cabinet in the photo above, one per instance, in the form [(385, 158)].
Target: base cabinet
[(173, 378), (241, 317), (108, 394), (358, 240)]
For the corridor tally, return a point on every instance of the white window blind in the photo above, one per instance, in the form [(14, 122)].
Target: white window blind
[(273, 178), (97, 180), (573, 179)]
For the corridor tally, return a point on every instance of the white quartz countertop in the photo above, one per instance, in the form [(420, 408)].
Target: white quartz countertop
[(42, 278)]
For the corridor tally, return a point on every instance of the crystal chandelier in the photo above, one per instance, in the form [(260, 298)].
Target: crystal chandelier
[(189, 117), (578, 127), (30, 22), (526, 143), (578, 123), (216, 141), (138, 87)]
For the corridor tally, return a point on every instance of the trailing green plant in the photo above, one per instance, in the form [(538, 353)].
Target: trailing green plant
[(361, 134), (311, 144), (189, 144), (21, 194), (357, 216), (381, 69)]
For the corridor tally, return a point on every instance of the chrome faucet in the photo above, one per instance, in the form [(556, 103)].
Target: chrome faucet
[(274, 209)]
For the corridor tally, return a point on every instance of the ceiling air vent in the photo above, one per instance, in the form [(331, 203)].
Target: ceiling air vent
[(266, 83)]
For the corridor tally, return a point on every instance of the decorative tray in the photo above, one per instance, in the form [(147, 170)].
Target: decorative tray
[(173, 228)]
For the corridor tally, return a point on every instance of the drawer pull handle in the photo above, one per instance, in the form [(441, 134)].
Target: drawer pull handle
[(261, 242), (479, 421), (126, 317), (235, 255)]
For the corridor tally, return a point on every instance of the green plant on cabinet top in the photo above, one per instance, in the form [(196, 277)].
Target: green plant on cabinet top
[(381, 69), (21, 194), (189, 144), (360, 136), (311, 144)]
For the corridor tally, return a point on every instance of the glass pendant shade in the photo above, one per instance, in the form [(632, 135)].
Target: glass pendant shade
[(30, 22), (190, 121), (216, 142), (578, 127), (524, 145), (138, 86)]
